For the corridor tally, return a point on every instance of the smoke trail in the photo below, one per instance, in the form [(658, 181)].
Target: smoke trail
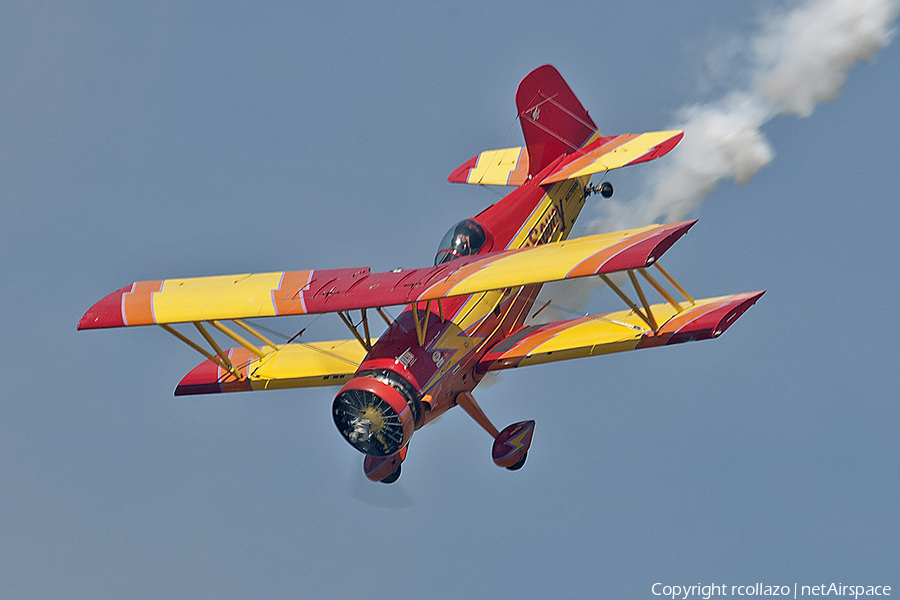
[(798, 59)]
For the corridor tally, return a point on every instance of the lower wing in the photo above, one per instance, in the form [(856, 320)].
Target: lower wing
[(287, 366), (617, 332)]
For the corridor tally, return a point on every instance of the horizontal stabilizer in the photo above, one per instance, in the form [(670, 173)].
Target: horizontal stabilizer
[(613, 152), (616, 332), (508, 166), (288, 366)]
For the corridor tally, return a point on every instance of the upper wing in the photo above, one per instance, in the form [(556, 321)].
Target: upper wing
[(616, 332), (307, 292), (509, 166)]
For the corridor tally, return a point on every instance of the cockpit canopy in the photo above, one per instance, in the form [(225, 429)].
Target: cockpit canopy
[(465, 238)]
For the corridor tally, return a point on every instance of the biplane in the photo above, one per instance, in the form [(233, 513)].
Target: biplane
[(468, 314)]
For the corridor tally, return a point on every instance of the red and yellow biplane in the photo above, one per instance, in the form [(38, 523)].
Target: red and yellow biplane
[(464, 316)]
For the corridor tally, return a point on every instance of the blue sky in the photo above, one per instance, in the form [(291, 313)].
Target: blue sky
[(144, 142)]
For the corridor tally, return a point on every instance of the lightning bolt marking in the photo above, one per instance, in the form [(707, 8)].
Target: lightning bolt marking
[(518, 442), (453, 339)]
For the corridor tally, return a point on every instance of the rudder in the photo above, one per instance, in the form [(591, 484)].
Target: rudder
[(553, 120)]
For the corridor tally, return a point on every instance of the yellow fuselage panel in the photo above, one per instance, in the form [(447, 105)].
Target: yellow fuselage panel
[(550, 221)]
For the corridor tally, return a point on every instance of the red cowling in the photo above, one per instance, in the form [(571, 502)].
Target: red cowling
[(376, 412)]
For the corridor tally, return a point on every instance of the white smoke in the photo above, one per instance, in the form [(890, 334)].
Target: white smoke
[(798, 59)]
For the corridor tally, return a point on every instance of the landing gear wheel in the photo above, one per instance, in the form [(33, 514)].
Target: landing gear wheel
[(395, 475), (519, 464), (605, 189)]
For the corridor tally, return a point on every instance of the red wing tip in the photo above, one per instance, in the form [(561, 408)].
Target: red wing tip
[(461, 174), (750, 298), (702, 323), (671, 234), (679, 226), (206, 378), (202, 379), (105, 313)]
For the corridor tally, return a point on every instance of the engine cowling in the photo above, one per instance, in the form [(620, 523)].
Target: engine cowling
[(377, 412)]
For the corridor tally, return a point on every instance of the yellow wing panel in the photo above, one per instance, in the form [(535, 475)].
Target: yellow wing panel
[(308, 365), (210, 298), (559, 260), (290, 366), (589, 336)]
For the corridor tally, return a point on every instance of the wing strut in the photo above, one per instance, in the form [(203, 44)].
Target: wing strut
[(383, 316), (675, 284), (255, 333), (223, 356), (247, 345), (662, 291), (646, 314), (421, 327), (637, 288), (219, 356), (366, 342), (626, 300)]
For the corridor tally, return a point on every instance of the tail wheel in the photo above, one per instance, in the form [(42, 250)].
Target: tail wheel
[(519, 464), (393, 476)]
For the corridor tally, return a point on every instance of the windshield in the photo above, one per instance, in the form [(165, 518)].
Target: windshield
[(463, 239)]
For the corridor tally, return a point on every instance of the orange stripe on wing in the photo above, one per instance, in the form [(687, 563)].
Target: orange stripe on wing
[(520, 174), (443, 289), (591, 156), (593, 264), (137, 305), (288, 296), (532, 341)]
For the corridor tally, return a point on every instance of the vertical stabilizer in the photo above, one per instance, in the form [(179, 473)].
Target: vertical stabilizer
[(553, 120)]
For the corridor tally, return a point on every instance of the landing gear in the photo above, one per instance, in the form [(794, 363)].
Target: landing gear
[(519, 464), (385, 469), (396, 475), (510, 445)]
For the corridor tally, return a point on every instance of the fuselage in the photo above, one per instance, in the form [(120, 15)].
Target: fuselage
[(459, 331)]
